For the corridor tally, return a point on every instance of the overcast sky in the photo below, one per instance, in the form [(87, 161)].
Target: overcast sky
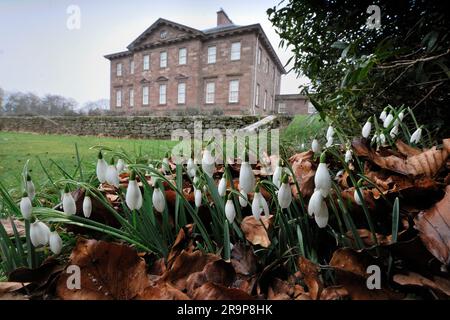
[(38, 53)]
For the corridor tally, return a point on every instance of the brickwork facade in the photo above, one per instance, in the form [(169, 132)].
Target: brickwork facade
[(175, 67)]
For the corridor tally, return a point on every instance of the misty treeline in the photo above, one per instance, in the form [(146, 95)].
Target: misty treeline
[(28, 103)]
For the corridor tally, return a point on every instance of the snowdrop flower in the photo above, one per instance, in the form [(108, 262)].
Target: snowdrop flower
[(330, 132), (381, 138), (383, 115), (208, 163), (357, 198), (388, 120), (243, 200), (329, 142), (101, 168), (158, 200), (318, 207), (87, 205), (348, 155), (276, 178), (415, 137), (25, 206), (68, 202), (191, 168), (39, 233), (222, 188), (133, 197), (120, 165), (285, 194), (401, 115), (259, 205), (246, 178), (394, 132), (315, 146), (29, 187), (112, 176), (198, 197), (165, 165), (366, 129), (230, 211), (55, 242), (322, 179)]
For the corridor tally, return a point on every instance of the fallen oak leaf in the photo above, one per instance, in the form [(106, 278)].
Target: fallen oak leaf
[(108, 271), (434, 228), (310, 273), (211, 291), (255, 230)]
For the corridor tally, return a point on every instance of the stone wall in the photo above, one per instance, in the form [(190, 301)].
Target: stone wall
[(135, 127)]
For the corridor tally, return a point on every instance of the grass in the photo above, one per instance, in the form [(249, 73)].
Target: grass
[(16, 148), (302, 130)]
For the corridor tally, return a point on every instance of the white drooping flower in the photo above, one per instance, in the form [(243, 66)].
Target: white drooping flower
[(330, 132), (366, 129), (222, 187), (259, 205), (191, 167), (401, 115), (29, 187), (243, 200), (230, 211), (102, 166), (315, 146), (39, 233), (26, 207), (381, 139), (87, 206), (246, 178), (68, 202), (208, 163), (388, 120), (112, 176), (329, 142), (276, 178), (285, 194), (348, 155), (120, 165), (198, 197), (318, 207), (159, 202), (383, 115), (322, 179), (165, 165), (415, 137), (394, 132), (339, 175), (133, 197), (357, 198), (55, 242)]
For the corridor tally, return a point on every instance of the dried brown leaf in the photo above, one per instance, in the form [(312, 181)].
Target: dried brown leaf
[(211, 291), (415, 279), (254, 230), (310, 274)]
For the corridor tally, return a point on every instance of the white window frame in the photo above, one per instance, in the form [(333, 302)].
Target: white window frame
[(118, 98), (145, 95), (131, 97), (265, 100), (281, 107), (182, 56), (267, 65), (259, 55), (131, 66), (212, 56), (181, 93), (210, 94), (233, 91), (235, 52), (163, 94), (119, 69), (257, 95), (146, 62), (163, 59)]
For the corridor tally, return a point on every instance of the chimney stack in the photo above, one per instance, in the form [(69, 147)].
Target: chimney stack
[(223, 19)]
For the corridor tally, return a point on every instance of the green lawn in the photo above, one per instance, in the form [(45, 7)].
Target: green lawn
[(17, 148), (302, 130)]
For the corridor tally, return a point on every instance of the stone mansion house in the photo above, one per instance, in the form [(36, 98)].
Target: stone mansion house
[(173, 67)]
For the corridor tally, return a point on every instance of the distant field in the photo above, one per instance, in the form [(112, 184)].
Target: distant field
[(17, 148)]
